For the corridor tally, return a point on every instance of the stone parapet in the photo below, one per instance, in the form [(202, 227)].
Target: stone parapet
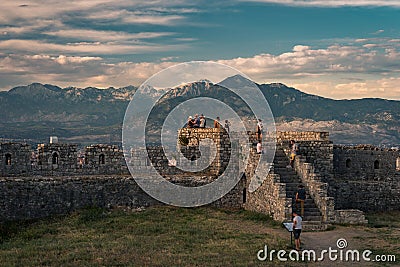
[(350, 216), (38, 197), (301, 136)]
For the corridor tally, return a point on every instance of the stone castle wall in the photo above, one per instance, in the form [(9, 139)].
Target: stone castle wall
[(270, 198), (365, 163), (366, 178), (15, 159), (38, 197), (313, 165), (301, 136), (195, 136), (58, 159), (103, 159)]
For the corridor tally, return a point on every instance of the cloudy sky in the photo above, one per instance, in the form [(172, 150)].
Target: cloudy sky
[(333, 48)]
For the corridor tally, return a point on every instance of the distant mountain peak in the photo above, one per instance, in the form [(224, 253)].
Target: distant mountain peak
[(278, 85), (237, 78), (72, 109), (205, 81)]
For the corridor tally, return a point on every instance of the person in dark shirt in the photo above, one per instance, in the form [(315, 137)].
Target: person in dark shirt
[(190, 122), (216, 123), (196, 121), (300, 198)]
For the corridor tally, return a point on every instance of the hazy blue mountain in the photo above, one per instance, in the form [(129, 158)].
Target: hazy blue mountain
[(38, 110)]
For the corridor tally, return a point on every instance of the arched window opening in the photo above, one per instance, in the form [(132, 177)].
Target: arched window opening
[(244, 195), (398, 164), (376, 164), (102, 159), (54, 158), (8, 159), (348, 163)]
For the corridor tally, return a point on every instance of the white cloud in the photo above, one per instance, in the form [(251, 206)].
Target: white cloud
[(379, 32), (105, 36), (303, 60), (336, 71), (96, 48), (73, 71), (381, 88), (157, 20), (331, 3), (66, 60), (349, 71), (147, 12)]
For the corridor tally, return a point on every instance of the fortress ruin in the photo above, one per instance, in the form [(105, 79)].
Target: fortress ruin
[(342, 182)]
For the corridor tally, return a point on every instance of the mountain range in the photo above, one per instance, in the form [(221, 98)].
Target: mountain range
[(87, 115)]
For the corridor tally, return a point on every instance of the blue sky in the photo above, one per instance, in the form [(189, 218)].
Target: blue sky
[(329, 48)]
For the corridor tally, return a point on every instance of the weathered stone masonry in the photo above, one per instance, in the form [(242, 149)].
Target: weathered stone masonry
[(38, 197), (366, 178), (15, 159), (343, 181)]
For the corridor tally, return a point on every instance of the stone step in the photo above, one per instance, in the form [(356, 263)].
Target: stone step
[(312, 226), (281, 162), (310, 210), (292, 184), (312, 217), (290, 178), (284, 170), (308, 201), (287, 175), (292, 193)]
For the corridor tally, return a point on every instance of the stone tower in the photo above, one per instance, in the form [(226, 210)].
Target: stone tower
[(14, 158)]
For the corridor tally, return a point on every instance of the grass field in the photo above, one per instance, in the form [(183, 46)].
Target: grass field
[(168, 236), (160, 236)]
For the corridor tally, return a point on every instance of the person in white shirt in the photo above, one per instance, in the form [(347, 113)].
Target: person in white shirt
[(227, 126), (259, 148), (297, 221), (293, 152), (202, 121)]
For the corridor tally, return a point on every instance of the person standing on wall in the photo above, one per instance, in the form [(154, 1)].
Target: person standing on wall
[(196, 121), (202, 121), (190, 122), (227, 126), (293, 152), (260, 127), (216, 123)]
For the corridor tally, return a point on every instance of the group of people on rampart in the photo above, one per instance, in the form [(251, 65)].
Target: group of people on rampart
[(197, 121)]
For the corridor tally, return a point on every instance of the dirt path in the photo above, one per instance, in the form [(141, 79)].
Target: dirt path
[(356, 238)]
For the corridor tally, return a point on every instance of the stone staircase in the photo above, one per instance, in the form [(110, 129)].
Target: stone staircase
[(312, 220)]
